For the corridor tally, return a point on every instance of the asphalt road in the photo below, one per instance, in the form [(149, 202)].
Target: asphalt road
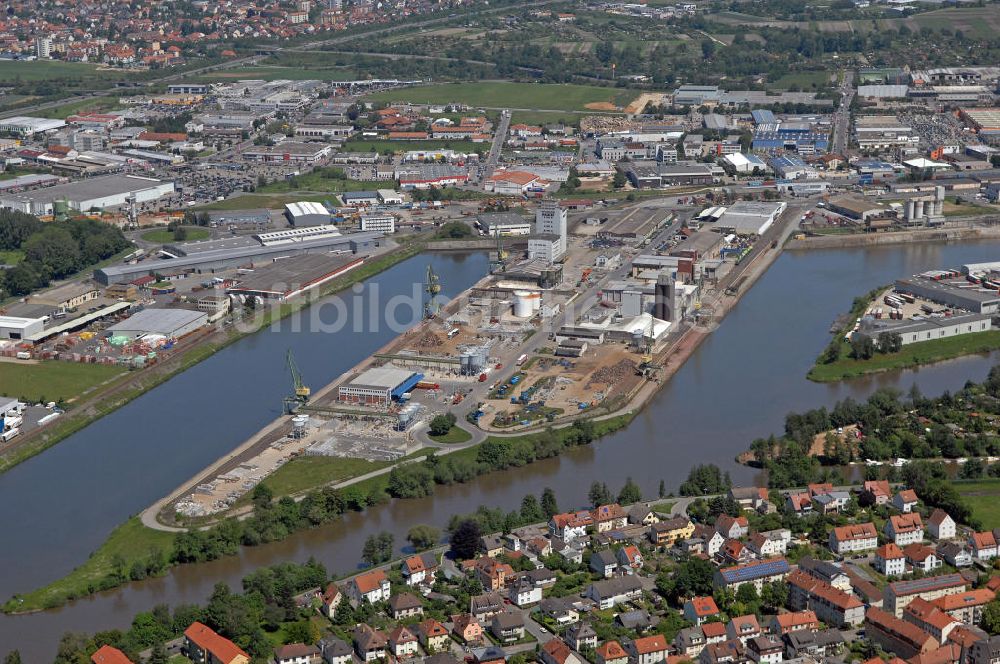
[(842, 116)]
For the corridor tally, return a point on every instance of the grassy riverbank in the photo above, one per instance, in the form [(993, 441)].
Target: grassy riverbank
[(912, 355), (133, 546), (129, 544), (53, 380), (118, 392)]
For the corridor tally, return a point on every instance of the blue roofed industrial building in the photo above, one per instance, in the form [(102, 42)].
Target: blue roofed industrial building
[(379, 386)]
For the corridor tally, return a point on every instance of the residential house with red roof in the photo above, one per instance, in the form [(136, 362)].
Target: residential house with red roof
[(905, 500), (922, 557), (904, 529), (896, 635), (853, 538), (877, 492), (555, 651), (831, 605), (732, 527), (203, 646), (332, 597), (715, 632), (967, 606), (700, 609), (609, 517), (420, 569), (794, 621), (433, 635), (647, 650), (928, 617), (109, 655), (890, 560), (369, 587), (983, 545), (611, 652), (630, 557), (743, 628), (569, 526)]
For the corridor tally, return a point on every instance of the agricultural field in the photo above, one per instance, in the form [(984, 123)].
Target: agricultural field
[(978, 22), (52, 380), (983, 496), (499, 94)]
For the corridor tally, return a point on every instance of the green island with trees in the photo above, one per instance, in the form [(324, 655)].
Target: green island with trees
[(864, 354)]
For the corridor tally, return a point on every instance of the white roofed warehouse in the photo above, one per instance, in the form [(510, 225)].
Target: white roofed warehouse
[(170, 323), (98, 193), (307, 213), (750, 218), (378, 386)]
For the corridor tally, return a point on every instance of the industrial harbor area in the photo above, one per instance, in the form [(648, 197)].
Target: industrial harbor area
[(500, 332)]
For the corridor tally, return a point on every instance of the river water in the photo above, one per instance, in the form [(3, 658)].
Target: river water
[(738, 385)]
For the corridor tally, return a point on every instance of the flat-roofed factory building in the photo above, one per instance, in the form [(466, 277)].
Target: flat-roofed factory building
[(288, 277), (99, 193), (379, 386), (954, 292)]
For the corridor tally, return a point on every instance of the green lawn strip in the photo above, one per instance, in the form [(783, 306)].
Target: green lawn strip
[(52, 380), (164, 236), (983, 496), (912, 355), (97, 105), (455, 436), (309, 472), (664, 506), (503, 94), (127, 543)]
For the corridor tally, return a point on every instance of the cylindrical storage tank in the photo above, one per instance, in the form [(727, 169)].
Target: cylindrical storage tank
[(60, 208), (522, 304)]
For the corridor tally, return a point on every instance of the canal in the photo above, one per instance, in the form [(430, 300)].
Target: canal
[(738, 385)]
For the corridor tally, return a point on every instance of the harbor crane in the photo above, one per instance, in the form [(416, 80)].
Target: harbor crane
[(502, 254), (301, 391), (646, 367), (433, 288)]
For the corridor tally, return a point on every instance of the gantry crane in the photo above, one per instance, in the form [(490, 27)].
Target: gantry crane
[(300, 390), (433, 288)]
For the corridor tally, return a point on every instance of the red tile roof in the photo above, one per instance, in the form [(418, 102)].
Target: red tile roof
[(220, 647), (109, 655), (649, 644)]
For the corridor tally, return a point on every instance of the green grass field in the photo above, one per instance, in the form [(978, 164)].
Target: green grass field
[(983, 496), (912, 355), (12, 257), (977, 22), (99, 105), (314, 182), (453, 437), (45, 70), (501, 94), (309, 472), (163, 236), (128, 543), (52, 380)]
